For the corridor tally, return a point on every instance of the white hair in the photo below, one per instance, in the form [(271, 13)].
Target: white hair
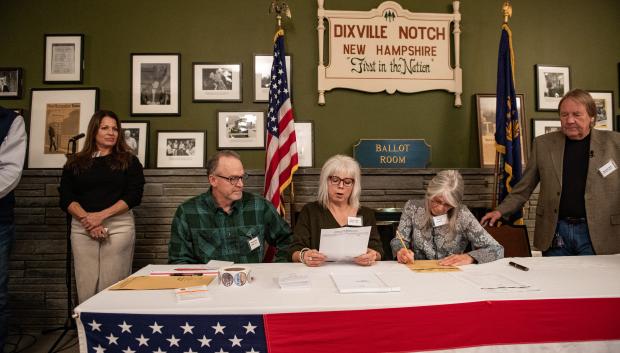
[(449, 185), (345, 166)]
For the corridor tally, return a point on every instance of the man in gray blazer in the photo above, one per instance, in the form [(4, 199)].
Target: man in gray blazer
[(578, 211)]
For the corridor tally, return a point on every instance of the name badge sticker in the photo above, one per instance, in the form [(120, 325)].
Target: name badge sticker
[(439, 221), (355, 221), (254, 243), (608, 168)]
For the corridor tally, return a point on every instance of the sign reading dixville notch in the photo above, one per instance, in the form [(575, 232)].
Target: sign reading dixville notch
[(389, 49), (410, 153)]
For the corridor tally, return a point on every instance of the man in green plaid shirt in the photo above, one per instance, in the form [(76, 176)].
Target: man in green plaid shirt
[(226, 223)]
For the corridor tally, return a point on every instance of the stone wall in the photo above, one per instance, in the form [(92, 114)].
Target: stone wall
[(38, 294)]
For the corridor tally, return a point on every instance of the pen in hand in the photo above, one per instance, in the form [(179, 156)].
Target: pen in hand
[(517, 266)]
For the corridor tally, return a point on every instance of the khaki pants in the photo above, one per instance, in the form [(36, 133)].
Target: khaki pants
[(99, 264)]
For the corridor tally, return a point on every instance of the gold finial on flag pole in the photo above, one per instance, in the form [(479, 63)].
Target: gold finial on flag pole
[(280, 7), (507, 10)]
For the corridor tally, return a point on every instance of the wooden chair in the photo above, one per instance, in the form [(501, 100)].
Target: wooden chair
[(514, 239)]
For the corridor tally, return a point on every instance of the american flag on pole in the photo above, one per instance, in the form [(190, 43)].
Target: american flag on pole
[(281, 160)]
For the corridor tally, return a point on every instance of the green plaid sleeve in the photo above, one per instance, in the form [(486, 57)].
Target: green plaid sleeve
[(180, 249), (280, 234)]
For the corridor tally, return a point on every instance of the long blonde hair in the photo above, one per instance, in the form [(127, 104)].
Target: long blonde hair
[(449, 185)]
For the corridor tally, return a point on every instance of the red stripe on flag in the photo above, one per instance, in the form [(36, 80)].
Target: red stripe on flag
[(445, 326)]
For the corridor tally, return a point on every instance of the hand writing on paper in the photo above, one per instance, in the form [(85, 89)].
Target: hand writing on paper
[(456, 260), (405, 256)]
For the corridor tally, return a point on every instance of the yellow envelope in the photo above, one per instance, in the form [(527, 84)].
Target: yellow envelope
[(430, 266), (161, 282)]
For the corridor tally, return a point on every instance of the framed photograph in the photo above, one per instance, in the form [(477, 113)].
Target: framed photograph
[(486, 104), (552, 82), (604, 101), (544, 126), (304, 131), (136, 135), (240, 130), (215, 82), (64, 58), (11, 82), (56, 115), (262, 76), (181, 149), (155, 84)]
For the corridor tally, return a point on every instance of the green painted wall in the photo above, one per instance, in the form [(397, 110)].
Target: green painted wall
[(582, 34)]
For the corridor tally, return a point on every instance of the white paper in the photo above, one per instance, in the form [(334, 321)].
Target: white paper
[(294, 281), (361, 282), (490, 282), (192, 293), (344, 244), (219, 264)]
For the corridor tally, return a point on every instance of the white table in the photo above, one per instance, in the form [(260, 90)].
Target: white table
[(577, 307)]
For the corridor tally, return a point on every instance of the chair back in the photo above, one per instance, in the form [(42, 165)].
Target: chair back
[(513, 238)]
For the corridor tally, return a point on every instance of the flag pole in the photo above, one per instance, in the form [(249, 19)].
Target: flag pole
[(507, 13)]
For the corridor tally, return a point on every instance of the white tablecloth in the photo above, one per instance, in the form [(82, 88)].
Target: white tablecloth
[(556, 278)]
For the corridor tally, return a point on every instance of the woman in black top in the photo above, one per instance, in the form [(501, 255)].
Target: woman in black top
[(99, 186)]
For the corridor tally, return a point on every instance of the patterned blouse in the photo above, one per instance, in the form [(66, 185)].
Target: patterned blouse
[(429, 243)]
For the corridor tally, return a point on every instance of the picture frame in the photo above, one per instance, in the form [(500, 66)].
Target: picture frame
[(605, 113), (541, 126), (155, 84), (216, 82), (262, 75), (56, 115), (64, 58), (552, 82), (304, 132), (11, 82), (240, 130), (136, 135), (181, 149), (486, 105)]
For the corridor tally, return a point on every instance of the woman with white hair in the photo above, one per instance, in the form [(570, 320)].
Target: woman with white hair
[(440, 227), (337, 205)]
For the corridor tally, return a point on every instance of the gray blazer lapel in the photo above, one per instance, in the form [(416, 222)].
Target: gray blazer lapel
[(557, 154)]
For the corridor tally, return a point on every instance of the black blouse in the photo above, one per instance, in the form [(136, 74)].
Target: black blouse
[(100, 187)]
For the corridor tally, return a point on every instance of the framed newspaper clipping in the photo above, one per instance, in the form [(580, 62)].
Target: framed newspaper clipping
[(64, 58)]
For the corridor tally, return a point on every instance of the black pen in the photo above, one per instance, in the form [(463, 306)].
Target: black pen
[(517, 266)]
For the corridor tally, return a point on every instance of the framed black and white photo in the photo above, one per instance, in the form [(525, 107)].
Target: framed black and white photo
[(64, 58), (136, 134), (181, 149), (240, 130), (604, 101), (552, 83), (262, 76), (11, 82), (215, 82), (304, 132), (544, 126), (486, 104), (155, 84), (56, 115)]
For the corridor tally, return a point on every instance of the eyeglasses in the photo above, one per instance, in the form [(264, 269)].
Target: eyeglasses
[(234, 180), (335, 180), (440, 203)]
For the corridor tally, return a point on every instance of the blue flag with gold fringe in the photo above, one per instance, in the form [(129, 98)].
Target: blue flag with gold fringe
[(508, 130)]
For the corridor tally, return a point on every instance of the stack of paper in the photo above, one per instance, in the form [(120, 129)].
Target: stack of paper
[(362, 282), (495, 283), (294, 281)]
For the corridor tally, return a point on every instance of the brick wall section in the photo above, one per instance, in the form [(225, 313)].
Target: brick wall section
[(37, 271)]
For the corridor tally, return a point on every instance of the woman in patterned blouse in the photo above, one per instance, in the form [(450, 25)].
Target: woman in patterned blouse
[(440, 227)]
